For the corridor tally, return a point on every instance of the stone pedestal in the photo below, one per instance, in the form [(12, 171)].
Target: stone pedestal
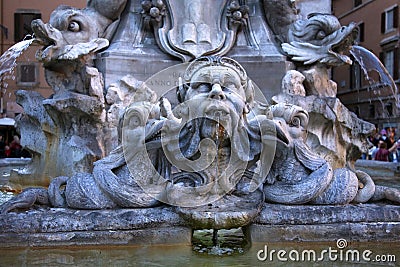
[(276, 223), (134, 50), (361, 222), (63, 227)]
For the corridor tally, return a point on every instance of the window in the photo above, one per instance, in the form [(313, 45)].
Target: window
[(361, 30), (371, 110), (389, 109), (27, 74), (357, 111), (22, 23), (355, 76), (389, 62), (389, 19), (4, 31), (357, 3), (390, 59)]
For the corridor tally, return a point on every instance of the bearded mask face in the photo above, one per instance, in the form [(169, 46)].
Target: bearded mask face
[(216, 93)]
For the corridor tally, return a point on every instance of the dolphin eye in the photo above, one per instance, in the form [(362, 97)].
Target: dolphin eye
[(320, 35), (134, 121), (296, 122), (74, 26)]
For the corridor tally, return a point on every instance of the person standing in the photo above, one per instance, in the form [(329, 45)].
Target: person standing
[(385, 137), (15, 147), (2, 147), (382, 154)]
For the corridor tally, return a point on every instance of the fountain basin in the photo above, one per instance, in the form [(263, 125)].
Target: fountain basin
[(381, 169), (56, 227), (14, 162)]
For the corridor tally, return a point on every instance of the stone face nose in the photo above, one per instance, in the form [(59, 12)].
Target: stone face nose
[(216, 92)]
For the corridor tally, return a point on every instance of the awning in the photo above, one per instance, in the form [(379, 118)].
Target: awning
[(7, 122)]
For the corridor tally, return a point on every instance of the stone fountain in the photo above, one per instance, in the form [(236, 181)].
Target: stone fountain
[(170, 116)]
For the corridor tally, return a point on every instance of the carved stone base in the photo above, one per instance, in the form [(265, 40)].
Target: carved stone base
[(359, 222), (276, 223), (362, 232), (61, 227)]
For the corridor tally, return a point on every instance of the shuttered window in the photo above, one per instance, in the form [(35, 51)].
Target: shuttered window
[(27, 74), (389, 62), (357, 3), (390, 58), (355, 76), (361, 32), (371, 111), (390, 19), (22, 23)]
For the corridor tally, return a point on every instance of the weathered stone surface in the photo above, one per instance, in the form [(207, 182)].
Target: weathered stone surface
[(225, 213), (60, 227), (161, 225), (64, 134), (13, 162), (382, 169), (363, 232), (316, 214), (68, 220), (360, 222), (149, 236), (334, 132)]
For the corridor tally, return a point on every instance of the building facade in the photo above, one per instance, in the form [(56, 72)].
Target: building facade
[(15, 19), (378, 22)]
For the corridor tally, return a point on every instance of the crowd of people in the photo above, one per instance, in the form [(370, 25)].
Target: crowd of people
[(384, 146), (12, 149)]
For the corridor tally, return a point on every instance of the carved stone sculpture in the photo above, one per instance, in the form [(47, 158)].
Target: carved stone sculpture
[(209, 145), (318, 43), (189, 34), (69, 42), (300, 176), (197, 137), (204, 154)]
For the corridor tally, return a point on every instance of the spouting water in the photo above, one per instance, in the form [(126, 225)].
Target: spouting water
[(8, 59), (220, 242), (215, 237), (218, 141), (370, 63)]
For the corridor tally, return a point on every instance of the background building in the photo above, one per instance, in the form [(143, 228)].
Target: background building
[(378, 21), (15, 20)]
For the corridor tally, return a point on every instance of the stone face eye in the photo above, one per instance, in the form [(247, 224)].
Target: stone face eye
[(74, 26), (202, 87), (321, 35), (295, 122)]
